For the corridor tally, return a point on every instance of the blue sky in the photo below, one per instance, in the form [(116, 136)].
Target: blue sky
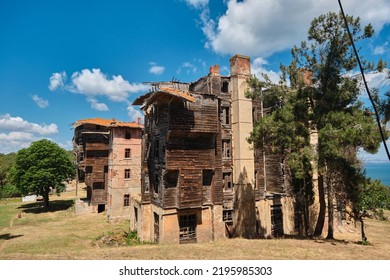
[(61, 61)]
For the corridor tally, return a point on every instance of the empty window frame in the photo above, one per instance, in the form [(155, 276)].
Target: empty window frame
[(98, 185), (227, 181), (127, 134), (225, 115), (226, 148), (207, 177), (228, 215), (127, 173), (170, 178), (88, 169), (187, 224), (127, 153), (126, 200)]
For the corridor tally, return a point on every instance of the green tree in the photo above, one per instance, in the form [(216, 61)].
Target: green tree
[(321, 100), (42, 167)]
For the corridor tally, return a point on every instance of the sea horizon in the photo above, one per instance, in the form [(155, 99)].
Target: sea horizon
[(378, 170)]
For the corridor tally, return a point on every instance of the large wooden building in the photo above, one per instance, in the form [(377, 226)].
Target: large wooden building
[(201, 179)]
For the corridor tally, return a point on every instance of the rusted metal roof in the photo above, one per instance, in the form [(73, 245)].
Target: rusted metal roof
[(107, 122), (150, 96)]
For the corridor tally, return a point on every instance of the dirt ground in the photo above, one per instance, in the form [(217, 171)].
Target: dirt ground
[(33, 234)]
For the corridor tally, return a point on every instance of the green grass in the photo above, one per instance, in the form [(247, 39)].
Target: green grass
[(8, 210)]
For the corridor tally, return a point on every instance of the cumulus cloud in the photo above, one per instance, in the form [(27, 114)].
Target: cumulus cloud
[(42, 103), (258, 68), (9, 123), (94, 83), (97, 105), (261, 28), (18, 133), (156, 69), (57, 80), (134, 114)]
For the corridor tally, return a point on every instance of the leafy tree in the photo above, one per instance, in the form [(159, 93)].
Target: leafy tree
[(6, 162), (322, 99), (40, 168)]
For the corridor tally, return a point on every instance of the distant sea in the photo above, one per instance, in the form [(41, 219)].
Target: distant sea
[(378, 170)]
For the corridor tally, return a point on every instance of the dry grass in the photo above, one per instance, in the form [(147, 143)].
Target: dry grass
[(61, 234)]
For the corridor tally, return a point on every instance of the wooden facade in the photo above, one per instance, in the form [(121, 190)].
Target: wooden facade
[(187, 166)]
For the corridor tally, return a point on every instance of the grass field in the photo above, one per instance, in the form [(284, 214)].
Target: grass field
[(61, 234)]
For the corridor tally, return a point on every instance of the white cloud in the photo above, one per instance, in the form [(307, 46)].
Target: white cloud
[(9, 123), (187, 67), (97, 105), (258, 68), (156, 69), (18, 133), (197, 3), (261, 28), (380, 50), (94, 83), (134, 114), (42, 103), (57, 80)]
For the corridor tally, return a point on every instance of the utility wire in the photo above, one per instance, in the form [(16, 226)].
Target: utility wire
[(365, 82)]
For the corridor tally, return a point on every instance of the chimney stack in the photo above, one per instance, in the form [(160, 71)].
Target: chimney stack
[(139, 120), (215, 70)]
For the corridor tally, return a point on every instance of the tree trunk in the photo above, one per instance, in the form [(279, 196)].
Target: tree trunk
[(364, 238), (321, 214), (46, 199), (330, 209)]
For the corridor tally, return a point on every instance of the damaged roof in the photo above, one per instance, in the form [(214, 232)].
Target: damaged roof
[(152, 95), (107, 122)]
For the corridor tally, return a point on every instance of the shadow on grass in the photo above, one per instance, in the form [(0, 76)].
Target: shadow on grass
[(8, 236), (317, 239), (38, 207)]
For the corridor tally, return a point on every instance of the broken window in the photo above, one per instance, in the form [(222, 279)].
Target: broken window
[(127, 173), (146, 182), (225, 87), (228, 215), (126, 200), (105, 170), (226, 148), (227, 181), (225, 115), (135, 217), (98, 185), (127, 134), (127, 153), (187, 224), (88, 169), (207, 177), (170, 178), (81, 156)]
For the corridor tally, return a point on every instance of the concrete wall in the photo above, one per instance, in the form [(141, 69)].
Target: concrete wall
[(209, 224)]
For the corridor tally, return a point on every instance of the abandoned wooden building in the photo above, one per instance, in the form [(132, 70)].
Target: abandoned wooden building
[(201, 179), (108, 155)]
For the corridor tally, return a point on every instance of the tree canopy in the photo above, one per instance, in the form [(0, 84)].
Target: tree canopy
[(42, 167), (321, 100)]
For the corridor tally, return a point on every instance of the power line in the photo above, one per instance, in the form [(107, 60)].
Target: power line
[(365, 82)]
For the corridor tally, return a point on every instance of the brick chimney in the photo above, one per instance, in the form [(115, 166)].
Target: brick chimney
[(139, 120), (215, 70)]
